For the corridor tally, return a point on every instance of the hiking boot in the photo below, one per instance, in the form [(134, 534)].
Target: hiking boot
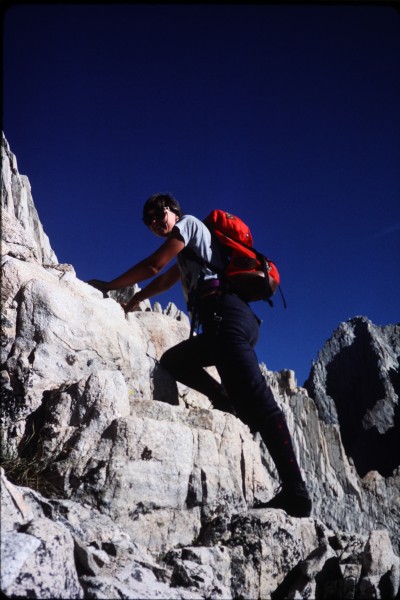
[(294, 500)]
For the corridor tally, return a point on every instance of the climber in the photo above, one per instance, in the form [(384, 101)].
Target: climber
[(229, 332)]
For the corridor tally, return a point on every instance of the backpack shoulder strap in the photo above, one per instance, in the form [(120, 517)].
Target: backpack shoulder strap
[(191, 255)]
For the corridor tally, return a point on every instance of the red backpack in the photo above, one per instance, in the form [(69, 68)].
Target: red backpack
[(252, 275)]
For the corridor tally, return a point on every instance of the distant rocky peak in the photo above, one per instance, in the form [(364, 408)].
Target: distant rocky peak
[(355, 383)]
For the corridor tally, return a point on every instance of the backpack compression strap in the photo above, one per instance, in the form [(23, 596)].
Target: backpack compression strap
[(263, 260)]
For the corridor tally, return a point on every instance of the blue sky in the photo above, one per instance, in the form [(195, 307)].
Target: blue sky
[(286, 115)]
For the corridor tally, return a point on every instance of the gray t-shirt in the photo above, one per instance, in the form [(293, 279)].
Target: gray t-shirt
[(197, 237)]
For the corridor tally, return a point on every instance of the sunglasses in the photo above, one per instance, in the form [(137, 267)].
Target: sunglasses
[(155, 216)]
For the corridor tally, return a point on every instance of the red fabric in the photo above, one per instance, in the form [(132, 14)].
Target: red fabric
[(225, 224), (233, 232)]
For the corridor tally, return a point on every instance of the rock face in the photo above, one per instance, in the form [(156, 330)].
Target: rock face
[(356, 384), (131, 486), (16, 201)]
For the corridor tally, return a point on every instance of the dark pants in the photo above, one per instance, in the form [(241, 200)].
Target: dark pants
[(229, 334)]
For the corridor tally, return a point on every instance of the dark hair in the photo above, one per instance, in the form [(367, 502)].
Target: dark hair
[(159, 201)]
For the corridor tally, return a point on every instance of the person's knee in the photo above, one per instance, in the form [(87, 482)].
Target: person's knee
[(173, 361), (166, 360)]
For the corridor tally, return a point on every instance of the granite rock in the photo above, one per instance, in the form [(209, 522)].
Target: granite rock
[(139, 488)]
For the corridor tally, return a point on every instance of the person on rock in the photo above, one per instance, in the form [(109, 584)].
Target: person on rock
[(229, 332)]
